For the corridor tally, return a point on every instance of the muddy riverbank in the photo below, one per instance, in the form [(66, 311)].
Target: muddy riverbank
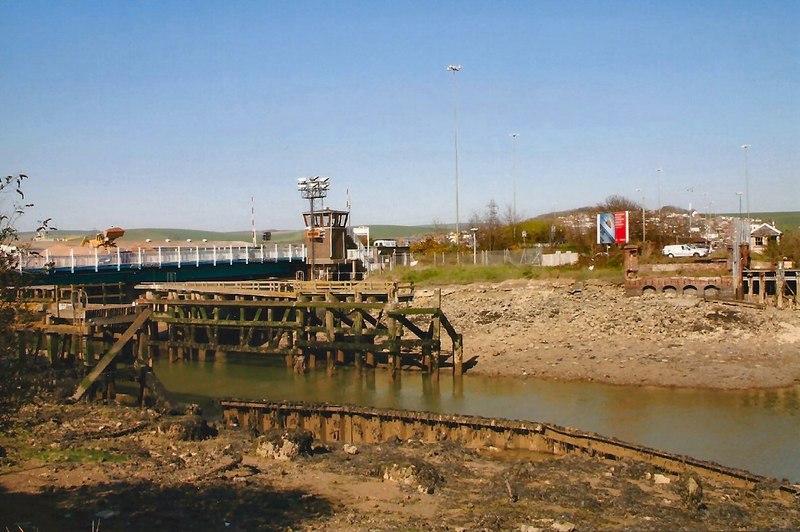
[(591, 331), (66, 467)]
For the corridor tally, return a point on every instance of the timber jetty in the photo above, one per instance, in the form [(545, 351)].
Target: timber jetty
[(307, 323)]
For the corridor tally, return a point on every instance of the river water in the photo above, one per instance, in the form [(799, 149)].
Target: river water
[(756, 430)]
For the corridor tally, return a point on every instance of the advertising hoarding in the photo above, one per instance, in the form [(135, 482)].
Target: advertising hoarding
[(612, 228)]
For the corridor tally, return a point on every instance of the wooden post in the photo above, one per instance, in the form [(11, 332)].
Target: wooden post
[(52, 347), (329, 334), (358, 328), (171, 349), (394, 345), (370, 355), (152, 349), (796, 289), (458, 355), (302, 332)]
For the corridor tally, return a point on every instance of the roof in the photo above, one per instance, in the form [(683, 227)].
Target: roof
[(765, 230)]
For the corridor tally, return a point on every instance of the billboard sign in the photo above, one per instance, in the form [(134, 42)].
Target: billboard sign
[(612, 228)]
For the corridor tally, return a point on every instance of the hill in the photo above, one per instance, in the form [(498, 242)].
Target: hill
[(196, 235)]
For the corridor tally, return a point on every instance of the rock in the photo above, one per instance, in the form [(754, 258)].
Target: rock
[(564, 526), (423, 477), (350, 449), (694, 492), (658, 478), (286, 446), (185, 428)]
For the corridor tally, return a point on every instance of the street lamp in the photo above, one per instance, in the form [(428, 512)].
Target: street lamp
[(474, 246), (312, 188), (658, 184), (739, 231), (454, 69), (746, 148), (514, 185), (644, 226)]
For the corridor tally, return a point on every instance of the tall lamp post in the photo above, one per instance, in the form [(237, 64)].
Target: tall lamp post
[(474, 246), (312, 188), (644, 226), (658, 184), (454, 69), (739, 230), (514, 184), (746, 148)]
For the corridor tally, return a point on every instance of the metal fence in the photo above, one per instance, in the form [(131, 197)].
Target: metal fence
[(179, 256), (519, 257)]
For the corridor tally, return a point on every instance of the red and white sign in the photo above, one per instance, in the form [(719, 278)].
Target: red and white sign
[(621, 227)]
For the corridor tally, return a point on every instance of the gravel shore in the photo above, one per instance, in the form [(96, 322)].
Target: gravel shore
[(591, 331)]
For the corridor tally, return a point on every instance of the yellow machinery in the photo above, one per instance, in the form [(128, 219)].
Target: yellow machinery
[(105, 239)]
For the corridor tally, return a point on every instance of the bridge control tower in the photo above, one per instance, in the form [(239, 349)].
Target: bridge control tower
[(327, 241)]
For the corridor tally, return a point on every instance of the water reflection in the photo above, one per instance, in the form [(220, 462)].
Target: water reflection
[(755, 430)]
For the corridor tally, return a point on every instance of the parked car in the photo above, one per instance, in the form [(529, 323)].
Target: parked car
[(684, 250)]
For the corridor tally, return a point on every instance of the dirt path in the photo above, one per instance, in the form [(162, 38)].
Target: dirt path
[(592, 331)]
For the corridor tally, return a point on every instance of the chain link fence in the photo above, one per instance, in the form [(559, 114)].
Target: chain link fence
[(519, 257)]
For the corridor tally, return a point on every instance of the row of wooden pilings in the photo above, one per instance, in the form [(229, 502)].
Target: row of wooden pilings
[(342, 328)]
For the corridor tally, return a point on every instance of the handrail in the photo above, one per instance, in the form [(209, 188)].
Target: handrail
[(180, 256)]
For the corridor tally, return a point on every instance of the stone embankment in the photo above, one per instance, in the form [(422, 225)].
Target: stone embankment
[(591, 331)]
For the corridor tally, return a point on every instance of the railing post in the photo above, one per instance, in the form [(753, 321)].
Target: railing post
[(119, 260), (71, 261), (231, 253), (96, 261), (179, 256), (276, 252), (214, 255), (159, 256), (140, 258), (246, 254), (262, 253), (197, 256)]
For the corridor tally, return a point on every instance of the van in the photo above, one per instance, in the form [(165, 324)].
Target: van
[(684, 250)]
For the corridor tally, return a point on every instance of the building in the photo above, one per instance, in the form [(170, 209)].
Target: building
[(761, 236)]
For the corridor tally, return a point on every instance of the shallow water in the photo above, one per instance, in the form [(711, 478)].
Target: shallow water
[(754, 430)]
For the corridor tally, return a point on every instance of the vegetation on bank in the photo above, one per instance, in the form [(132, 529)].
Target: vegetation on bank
[(467, 273)]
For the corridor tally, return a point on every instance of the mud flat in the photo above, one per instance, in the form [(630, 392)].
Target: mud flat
[(68, 466), (591, 331)]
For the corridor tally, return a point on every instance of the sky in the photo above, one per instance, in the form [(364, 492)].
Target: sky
[(176, 113)]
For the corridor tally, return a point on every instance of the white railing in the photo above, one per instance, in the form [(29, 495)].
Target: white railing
[(173, 256)]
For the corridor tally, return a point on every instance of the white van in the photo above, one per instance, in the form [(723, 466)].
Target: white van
[(684, 250)]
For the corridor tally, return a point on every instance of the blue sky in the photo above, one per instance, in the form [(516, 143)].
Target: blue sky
[(173, 114)]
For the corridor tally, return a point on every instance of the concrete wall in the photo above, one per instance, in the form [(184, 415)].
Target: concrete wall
[(560, 258)]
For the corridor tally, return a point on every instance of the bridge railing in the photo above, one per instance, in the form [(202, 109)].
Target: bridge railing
[(180, 256)]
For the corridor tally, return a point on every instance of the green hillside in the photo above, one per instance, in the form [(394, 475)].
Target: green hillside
[(196, 235), (785, 221)]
